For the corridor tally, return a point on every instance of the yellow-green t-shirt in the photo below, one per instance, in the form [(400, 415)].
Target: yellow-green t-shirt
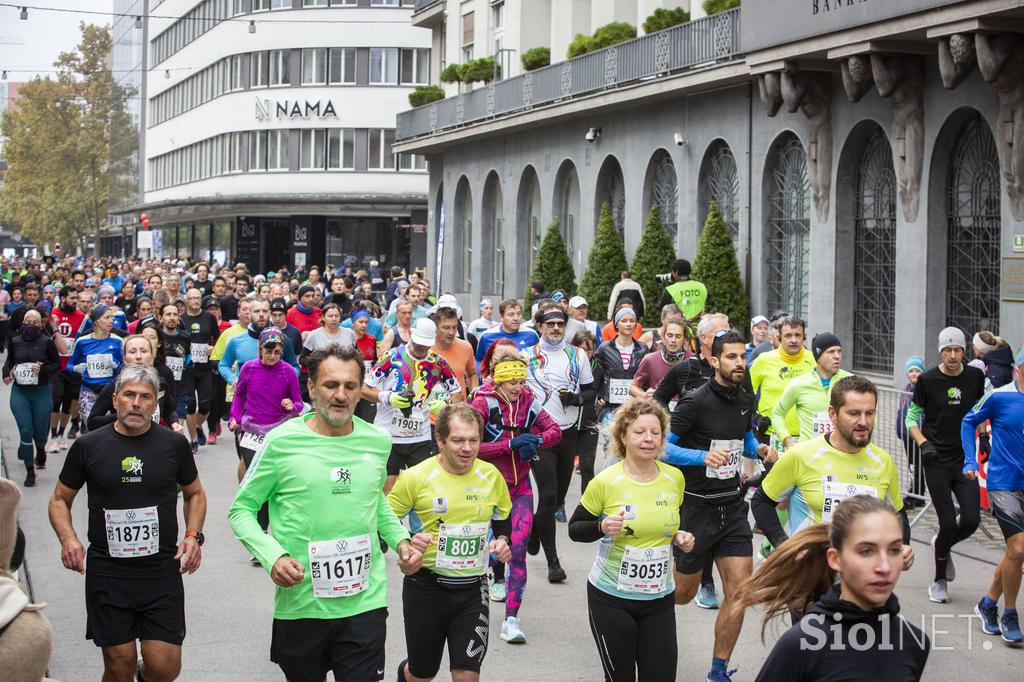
[(816, 478), (770, 374), (456, 510), (636, 563)]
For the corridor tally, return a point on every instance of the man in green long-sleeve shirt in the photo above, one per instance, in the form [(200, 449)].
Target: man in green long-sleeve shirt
[(322, 476), (810, 393)]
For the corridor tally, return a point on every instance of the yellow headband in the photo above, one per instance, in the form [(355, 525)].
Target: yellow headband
[(508, 371)]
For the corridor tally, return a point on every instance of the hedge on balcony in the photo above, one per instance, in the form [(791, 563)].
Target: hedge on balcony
[(610, 34), (716, 6), (481, 69), (536, 58), (451, 74), (425, 94), (663, 18)]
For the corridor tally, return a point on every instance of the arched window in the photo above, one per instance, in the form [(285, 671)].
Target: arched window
[(720, 183), (663, 191), (567, 207), (492, 239), (463, 237), (874, 257), (611, 190), (973, 249), (528, 216), (789, 227)]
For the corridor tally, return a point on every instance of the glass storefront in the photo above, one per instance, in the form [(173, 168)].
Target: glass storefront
[(221, 242), (201, 242)]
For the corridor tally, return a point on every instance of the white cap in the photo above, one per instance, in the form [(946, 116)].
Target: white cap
[(758, 320), (577, 302), (447, 301), (424, 333)]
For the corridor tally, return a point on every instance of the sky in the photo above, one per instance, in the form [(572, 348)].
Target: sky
[(44, 36)]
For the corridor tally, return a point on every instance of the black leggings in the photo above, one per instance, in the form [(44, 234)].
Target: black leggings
[(218, 406), (553, 473), (944, 479), (636, 638), (587, 447)]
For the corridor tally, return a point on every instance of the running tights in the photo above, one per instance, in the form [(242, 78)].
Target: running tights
[(553, 473), (636, 638), (945, 481), (587, 446), (31, 408), (522, 520)]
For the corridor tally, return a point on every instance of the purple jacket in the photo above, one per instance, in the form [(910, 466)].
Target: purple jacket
[(498, 420), (260, 390)]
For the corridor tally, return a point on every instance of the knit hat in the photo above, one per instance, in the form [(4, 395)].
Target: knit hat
[(951, 336), (271, 334), (97, 311), (914, 362), (306, 289), (822, 342)]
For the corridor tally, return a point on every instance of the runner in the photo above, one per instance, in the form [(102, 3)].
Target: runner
[(815, 475), (712, 426), (776, 368), (139, 350), (133, 585), (560, 376), (176, 344), (578, 309), (511, 312), (97, 357), (399, 334), (654, 339), (515, 429), (458, 499), (657, 364), (942, 397), (408, 384), (243, 347), (587, 427), (808, 394), (32, 359), (486, 319), (330, 605), (848, 630), (64, 386), (456, 352), (758, 335), (632, 507), (1003, 408), (203, 331), (331, 333)]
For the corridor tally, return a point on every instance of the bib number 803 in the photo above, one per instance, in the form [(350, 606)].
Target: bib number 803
[(462, 547)]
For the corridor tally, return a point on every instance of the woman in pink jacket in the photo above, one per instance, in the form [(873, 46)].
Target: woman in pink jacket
[(515, 429)]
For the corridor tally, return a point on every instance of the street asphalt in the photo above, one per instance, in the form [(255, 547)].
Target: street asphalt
[(229, 603)]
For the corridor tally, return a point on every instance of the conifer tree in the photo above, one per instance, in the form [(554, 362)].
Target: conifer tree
[(552, 266), (654, 256), (716, 267), (605, 264)]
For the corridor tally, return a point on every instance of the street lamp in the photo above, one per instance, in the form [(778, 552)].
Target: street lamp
[(497, 57)]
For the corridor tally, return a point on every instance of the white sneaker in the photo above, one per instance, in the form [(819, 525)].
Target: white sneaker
[(63, 443), (938, 592), (510, 631), (498, 591), (53, 446)]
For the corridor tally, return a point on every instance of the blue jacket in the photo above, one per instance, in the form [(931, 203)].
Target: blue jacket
[(1004, 407)]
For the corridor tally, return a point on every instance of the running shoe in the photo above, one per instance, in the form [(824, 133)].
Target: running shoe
[(950, 568), (53, 445), (560, 514), (253, 560), (200, 435), (989, 618), (30, 479), (510, 631), (63, 443), (533, 544), (498, 591), (706, 597), (73, 431), (938, 592), (722, 675), (195, 448), (1009, 626), (212, 438), (555, 573), (40, 460)]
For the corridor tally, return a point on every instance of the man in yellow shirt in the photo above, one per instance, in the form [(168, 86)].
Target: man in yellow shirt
[(809, 394), (773, 370)]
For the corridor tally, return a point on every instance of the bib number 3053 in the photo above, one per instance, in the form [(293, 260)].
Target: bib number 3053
[(462, 546), (340, 568), (132, 532), (645, 570)]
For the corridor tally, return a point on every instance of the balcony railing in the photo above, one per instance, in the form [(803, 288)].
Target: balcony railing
[(423, 4), (686, 46)]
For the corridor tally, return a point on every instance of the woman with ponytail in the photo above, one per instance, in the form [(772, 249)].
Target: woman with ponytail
[(851, 629)]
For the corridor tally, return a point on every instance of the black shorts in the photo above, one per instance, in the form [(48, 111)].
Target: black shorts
[(121, 610), (405, 455), (437, 613), (64, 390), (352, 648), (198, 390), (717, 530), (1008, 506)]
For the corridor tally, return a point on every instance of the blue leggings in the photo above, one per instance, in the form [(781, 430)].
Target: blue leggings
[(31, 407)]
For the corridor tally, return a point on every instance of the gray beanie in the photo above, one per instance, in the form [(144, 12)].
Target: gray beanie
[(951, 336)]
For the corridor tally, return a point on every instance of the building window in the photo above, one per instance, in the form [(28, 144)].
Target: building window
[(280, 4), (720, 183), (312, 149), (412, 162), (379, 149), (789, 228), (279, 67), (344, 3), (314, 3), (314, 66), (258, 150), (277, 150), (467, 28), (383, 3), (239, 7), (342, 65), (259, 71), (260, 5), (663, 192), (237, 75), (384, 65), (233, 162), (498, 16), (340, 149), (415, 66)]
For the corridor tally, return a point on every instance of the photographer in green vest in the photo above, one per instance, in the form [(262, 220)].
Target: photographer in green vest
[(690, 295)]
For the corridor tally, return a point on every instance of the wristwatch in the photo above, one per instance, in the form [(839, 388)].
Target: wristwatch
[(197, 534)]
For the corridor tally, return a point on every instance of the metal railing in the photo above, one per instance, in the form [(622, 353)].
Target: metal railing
[(686, 46), (904, 451), (423, 4)]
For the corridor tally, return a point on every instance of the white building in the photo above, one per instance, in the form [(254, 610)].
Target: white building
[(268, 131)]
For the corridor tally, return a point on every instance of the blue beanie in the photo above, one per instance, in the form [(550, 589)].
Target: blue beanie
[(914, 362)]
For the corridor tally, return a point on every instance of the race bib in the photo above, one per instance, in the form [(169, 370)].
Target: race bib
[(177, 366), (24, 375), (132, 532), (339, 568), (462, 547), (251, 441), (406, 427), (618, 391), (822, 424), (367, 372), (836, 492), (100, 365), (645, 570), (729, 469), (200, 353)]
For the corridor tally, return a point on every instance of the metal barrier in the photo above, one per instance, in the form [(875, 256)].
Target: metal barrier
[(904, 452)]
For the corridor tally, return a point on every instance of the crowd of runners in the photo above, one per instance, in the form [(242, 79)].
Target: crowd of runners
[(374, 419)]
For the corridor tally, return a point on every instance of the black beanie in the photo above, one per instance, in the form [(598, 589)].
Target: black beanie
[(822, 342)]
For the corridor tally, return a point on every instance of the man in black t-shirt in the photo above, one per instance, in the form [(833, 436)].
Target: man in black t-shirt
[(203, 331), (942, 397), (133, 585)]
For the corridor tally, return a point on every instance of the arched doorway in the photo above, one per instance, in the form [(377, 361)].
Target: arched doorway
[(973, 209), (874, 257), (492, 245), (462, 237), (662, 190), (611, 189), (788, 228), (720, 183), (567, 208), (529, 231)]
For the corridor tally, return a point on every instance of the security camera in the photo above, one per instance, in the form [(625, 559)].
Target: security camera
[(593, 134), (680, 140)]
